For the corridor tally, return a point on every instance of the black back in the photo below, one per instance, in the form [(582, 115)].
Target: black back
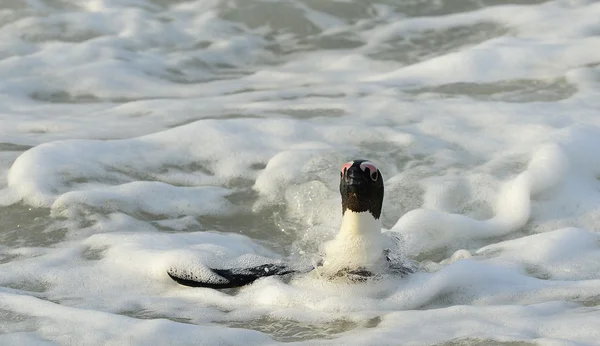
[(233, 277)]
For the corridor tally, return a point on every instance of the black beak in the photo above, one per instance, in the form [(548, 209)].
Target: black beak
[(354, 178)]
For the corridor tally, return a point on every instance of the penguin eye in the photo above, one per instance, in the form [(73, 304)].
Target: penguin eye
[(373, 173), (345, 167), (374, 176)]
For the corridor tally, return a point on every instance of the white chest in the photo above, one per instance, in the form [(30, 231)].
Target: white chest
[(359, 244)]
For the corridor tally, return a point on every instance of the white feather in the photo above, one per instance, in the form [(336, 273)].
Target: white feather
[(358, 245)]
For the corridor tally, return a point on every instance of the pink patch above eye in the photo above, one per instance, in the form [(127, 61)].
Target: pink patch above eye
[(347, 165), (369, 165), (373, 173)]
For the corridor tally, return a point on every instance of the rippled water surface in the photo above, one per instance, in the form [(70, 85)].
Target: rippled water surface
[(141, 135)]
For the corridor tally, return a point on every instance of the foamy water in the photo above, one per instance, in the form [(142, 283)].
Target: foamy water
[(141, 135)]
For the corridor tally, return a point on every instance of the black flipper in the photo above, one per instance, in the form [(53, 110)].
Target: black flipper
[(230, 278)]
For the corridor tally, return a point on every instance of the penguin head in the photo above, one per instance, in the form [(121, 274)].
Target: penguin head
[(361, 187)]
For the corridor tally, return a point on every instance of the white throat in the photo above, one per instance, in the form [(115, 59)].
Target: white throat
[(358, 245)]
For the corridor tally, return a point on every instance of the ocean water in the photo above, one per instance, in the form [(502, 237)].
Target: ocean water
[(139, 135)]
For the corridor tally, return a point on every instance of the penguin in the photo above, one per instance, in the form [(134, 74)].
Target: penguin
[(358, 252)]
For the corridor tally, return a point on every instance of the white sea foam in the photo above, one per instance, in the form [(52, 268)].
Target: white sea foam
[(141, 136), (426, 230)]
